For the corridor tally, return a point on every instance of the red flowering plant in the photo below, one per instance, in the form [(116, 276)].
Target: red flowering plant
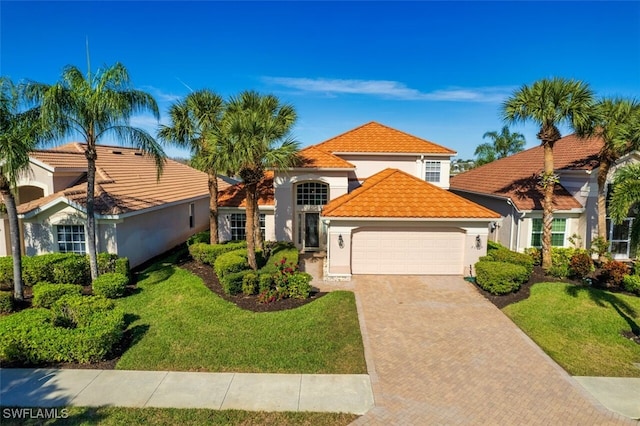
[(279, 288)]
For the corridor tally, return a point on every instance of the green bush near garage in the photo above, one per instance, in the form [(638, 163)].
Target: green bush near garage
[(500, 277), (6, 302), (207, 253)]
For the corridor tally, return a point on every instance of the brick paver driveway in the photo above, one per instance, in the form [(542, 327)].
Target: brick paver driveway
[(439, 353)]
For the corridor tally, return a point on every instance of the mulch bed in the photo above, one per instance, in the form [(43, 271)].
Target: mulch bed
[(249, 303)]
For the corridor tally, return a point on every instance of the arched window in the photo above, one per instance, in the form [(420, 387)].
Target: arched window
[(312, 194)]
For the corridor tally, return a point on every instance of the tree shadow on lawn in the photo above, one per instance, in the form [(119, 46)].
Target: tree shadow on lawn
[(603, 298)]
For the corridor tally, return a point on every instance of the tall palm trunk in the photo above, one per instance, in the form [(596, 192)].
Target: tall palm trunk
[(548, 135), (547, 208), (249, 226), (257, 233), (14, 232), (91, 155), (213, 207)]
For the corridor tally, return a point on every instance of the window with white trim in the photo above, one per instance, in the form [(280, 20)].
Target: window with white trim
[(558, 228), (432, 171), (312, 194), (71, 239), (239, 223)]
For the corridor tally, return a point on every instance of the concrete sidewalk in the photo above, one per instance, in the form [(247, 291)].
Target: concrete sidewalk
[(347, 393), (619, 394)]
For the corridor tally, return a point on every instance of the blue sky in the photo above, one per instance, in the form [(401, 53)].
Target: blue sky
[(439, 70)]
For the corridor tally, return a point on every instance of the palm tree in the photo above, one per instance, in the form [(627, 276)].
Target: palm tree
[(259, 129), (618, 124), (95, 107), (504, 144), (551, 103), (626, 194), (195, 123), (19, 135)]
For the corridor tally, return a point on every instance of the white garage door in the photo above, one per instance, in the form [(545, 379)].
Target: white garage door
[(409, 252)]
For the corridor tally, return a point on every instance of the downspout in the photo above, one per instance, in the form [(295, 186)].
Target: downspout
[(520, 219), (513, 217)]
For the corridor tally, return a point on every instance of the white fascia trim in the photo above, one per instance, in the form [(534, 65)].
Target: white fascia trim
[(52, 203), (50, 168), (570, 211), (410, 219), (484, 194), (397, 154)]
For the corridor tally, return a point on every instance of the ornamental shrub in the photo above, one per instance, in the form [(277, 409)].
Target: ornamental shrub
[(36, 269), (500, 277), (46, 294), (250, 283), (631, 283), (535, 254), (232, 282), (299, 285), (6, 302), (200, 237), (233, 261), (71, 269), (30, 336), (109, 262), (110, 285), (77, 311), (265, 282), (581, 264), (612, 273), (280, 251), (6, 272), (506, 255), (207, 253)]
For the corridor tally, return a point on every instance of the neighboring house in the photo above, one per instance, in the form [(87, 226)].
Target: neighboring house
[(510, 186), (375, 200), (137, 215)]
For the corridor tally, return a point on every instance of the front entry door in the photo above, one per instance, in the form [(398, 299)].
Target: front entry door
[(311, 230)]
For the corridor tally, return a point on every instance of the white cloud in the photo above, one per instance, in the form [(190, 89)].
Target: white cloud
[(390, 89), (160, 95)]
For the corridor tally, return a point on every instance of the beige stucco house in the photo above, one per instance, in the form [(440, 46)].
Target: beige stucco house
[(510, 187), (137, 215), (373, 200)]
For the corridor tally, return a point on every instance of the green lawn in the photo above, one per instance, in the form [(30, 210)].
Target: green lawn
[(579, 327), (117, 416), (182, 326)]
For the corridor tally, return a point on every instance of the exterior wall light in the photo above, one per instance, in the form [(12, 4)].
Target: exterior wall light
[(478, 242), (340, 241)]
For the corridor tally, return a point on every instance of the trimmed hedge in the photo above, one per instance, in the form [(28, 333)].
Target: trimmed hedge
[(508, 256), (73, 310), (30, 336), (71, 269), (6, 302), (46, 294), (110, 285), (500, 277), (250, 283), (61, 268), (232, 283), (207, 253), (233, 261), (281, 251), (298, 285)]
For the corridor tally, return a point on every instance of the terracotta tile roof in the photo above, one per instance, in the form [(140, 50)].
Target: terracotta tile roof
[(125, 180), (516, 176), (375, 137), (314, 157), (234, 196), (395, 194)]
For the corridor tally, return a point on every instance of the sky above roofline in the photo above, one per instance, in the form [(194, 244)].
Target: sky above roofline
[(437, 70)]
